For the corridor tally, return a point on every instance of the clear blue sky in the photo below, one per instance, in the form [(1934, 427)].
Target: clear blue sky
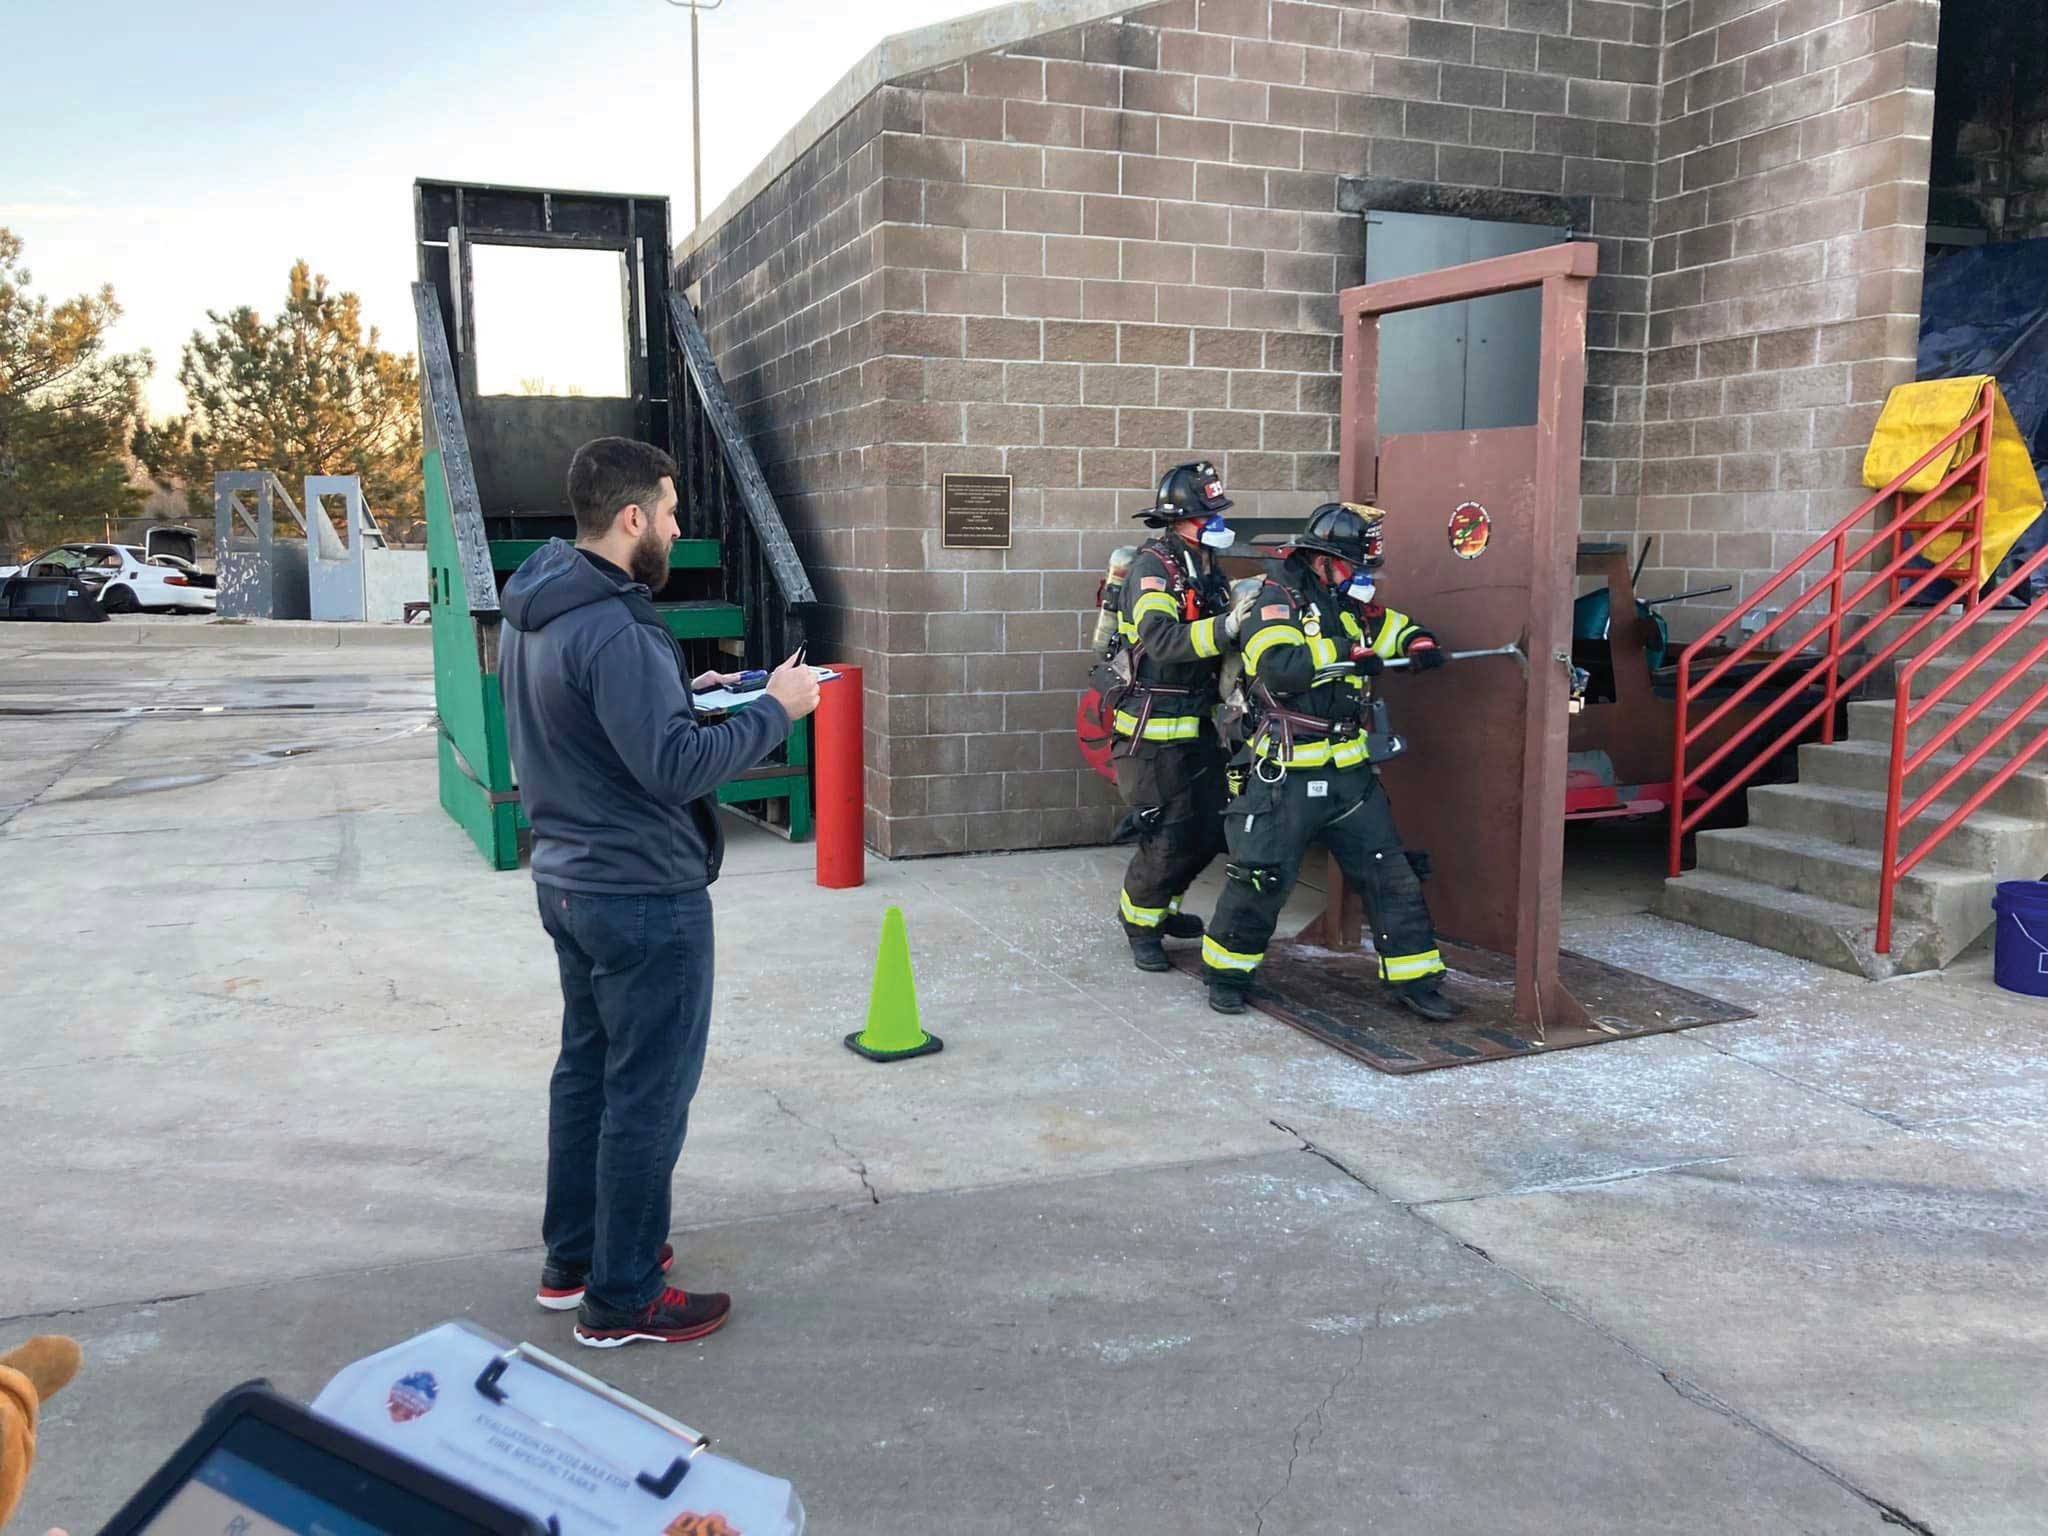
[(187, 153)]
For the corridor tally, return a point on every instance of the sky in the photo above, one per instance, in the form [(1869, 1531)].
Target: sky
[(189, 153)]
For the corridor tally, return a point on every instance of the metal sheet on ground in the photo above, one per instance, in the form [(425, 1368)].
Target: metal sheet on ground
[(1336, 997)]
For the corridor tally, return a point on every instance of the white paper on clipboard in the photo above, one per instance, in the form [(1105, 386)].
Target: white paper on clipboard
[(725, 698), (585, 1458)]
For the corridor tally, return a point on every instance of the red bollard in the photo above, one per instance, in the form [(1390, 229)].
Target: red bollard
[(836, 778)]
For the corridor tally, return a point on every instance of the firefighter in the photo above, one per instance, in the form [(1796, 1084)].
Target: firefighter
[(1313, 639), (1173, 622)]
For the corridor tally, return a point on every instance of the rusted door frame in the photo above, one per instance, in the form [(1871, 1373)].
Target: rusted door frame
[(1562, 272)]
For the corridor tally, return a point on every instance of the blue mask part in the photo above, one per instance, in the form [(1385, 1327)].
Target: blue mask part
[(1218, 534), (1361, 588)]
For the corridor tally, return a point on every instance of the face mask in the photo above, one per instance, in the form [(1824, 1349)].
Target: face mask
[(1217, 534), (1360, 588)]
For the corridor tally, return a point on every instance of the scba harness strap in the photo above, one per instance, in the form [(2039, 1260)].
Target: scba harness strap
[(1127, 660)]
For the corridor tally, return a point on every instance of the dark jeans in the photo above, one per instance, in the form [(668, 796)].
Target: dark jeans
[(636, 1009)]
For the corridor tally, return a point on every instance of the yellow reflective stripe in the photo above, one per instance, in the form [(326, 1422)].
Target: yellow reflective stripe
[(1387, 645), (1155, 602), (1266, 639), (1411, 967), (1203, 634), (1173, 905), (1222, 959), (1143, 917), (1319, 754), (1351, 626), (1321, 651), (1160, 727), (1128, 630)]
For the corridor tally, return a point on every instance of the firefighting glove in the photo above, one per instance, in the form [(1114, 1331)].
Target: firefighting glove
[(1240, 610), (1425, 657), (1366, 663)]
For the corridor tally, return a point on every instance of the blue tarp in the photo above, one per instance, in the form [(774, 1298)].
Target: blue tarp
[(1985, 310)]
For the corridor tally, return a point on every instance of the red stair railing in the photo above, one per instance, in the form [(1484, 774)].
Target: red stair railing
[(1906, 714), (1826, 665)]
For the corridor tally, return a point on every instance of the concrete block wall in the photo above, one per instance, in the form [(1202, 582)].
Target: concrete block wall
[(1094, 253), (1790, 223), (1081, 256), (789, 291)]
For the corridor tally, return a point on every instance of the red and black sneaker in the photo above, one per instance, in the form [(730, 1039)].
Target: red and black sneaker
[(673, 1317), (561, 1285)]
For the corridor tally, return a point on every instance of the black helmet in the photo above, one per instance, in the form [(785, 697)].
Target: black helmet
[(1350, 530), (1187, 490)]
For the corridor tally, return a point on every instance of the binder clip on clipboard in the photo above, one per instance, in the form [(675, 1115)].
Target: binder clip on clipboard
[(582, 1457)]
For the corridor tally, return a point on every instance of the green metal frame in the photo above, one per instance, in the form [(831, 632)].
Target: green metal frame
[(476, 785), (684, 554), (703, 621), (788, 780), (475, 763)]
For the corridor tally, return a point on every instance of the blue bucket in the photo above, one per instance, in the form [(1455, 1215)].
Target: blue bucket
[(2020, 962)]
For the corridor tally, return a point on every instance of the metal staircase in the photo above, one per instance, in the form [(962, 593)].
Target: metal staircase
[(1882, 858), (495, 467)]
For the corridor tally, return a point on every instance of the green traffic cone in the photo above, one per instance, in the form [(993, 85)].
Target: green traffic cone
[(893, 1033)]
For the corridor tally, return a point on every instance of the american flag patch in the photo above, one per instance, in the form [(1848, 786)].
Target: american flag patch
[(1274, 611), (1152, 584)]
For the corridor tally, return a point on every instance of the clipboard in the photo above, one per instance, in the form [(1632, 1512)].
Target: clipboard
[(719, 700), (580, 1456)]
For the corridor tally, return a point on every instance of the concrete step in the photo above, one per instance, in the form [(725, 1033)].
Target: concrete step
[(1867, 765), (1975, 684), (1810, 927), (1990, 842), (1871, 720), (1892, 628), (1955, 904)]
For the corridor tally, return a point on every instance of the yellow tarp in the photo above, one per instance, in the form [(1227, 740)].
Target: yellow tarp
[(1916, 417)]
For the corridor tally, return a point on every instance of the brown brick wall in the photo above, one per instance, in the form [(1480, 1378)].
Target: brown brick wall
[(1094, 254), (1083, 258), (791, 293), (1791, 214)]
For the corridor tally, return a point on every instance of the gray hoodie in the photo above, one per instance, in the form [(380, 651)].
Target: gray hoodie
[(614, 770)]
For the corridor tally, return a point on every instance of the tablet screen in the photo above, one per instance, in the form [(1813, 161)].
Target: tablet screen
[(258, 1480), (228, 1496)]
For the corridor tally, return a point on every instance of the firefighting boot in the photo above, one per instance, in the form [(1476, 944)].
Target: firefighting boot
[(1147, 953), (1181, 925), (1427, 999), (1226, 996)]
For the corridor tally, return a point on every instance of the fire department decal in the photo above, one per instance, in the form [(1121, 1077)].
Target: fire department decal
[(1471, 529), (412, 1397)]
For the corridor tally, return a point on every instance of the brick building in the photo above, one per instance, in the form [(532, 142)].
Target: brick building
[(1075, 244)]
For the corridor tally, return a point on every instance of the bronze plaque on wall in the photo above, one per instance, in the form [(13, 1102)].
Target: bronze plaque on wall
[(974, 511)]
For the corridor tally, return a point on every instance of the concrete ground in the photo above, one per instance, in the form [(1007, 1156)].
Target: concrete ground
[(273, 1056)]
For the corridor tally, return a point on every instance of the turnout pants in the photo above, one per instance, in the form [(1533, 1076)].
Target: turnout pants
[(1271, 826), (1177, 790)]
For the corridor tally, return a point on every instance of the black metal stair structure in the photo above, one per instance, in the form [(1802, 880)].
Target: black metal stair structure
[(496, 468)]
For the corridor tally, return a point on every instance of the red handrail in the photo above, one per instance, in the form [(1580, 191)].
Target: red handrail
[(1687, 811), (1906, 715)]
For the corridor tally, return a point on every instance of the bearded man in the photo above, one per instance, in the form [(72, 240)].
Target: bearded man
[(618, 778)]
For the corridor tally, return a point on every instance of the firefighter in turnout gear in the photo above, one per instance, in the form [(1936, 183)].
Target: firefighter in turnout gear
[(1313, 640), (1173, 624)]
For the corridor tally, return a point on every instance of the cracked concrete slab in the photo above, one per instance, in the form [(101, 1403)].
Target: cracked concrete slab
[(1250, 1344), (1771, 1280), (277, 1040)]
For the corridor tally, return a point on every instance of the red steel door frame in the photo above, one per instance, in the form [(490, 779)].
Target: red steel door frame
[(1562, 272)]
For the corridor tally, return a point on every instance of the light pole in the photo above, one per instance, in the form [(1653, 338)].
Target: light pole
[(696, 121)]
